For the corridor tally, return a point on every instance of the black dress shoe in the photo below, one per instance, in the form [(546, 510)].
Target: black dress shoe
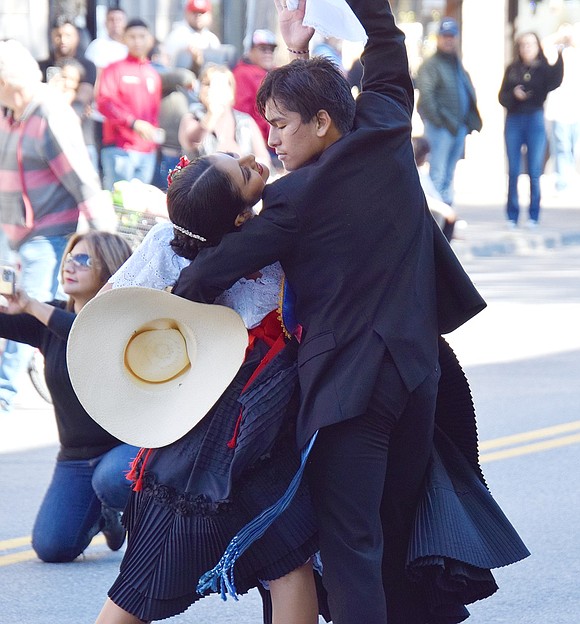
[(112, 528)]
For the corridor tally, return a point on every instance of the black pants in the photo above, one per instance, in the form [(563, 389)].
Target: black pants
[(365, 476)]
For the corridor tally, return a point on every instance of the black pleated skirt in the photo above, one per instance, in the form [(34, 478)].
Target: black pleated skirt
[(460, 533), (199, 492)]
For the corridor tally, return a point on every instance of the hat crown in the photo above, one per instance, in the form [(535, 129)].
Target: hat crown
[(198, 6), (448, 26), (157, 355), (263, 36)]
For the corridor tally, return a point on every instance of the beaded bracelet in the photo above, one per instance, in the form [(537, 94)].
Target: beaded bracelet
[(300, 52)]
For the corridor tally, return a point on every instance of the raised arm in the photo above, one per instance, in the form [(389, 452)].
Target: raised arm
[(385, 62), (384, 59)]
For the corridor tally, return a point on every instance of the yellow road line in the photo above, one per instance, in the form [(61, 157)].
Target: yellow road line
[(530, 448), (28, 554), (16, 542), (530, 435), (24, 555)]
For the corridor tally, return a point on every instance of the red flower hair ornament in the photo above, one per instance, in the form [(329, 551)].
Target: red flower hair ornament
[(183, 162)]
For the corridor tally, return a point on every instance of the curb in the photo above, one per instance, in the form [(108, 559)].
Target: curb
[(518, 243)]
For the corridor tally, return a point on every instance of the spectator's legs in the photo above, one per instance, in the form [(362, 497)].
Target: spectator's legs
[(514, 139), (166, 163), (117, 165), (456, 151), (109, 479), (40, 263), (446, 150), (536, 142), (143, 165), (563, 141), (70, 514)]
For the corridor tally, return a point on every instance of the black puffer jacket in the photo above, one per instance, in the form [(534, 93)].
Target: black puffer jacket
[(439, 103)]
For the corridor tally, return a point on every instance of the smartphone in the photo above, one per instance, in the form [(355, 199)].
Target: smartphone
[(7, 280), (52, 72)]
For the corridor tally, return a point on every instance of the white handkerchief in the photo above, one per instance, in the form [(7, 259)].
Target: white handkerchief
[(332, 18)]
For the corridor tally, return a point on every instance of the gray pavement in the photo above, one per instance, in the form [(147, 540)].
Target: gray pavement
[(31, 424), (480, 203)]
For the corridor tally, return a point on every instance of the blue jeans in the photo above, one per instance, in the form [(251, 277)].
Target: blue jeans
[(446, 151), (166, 163), (40, 267), (525, 129), (119, 164), (70, 514), (564, 139)]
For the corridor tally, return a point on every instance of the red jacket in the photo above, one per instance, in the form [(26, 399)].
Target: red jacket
[(248, 79), (128, 90)]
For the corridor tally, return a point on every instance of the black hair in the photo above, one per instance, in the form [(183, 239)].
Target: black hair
[(203, 200), (69, 61), (62, 20), (308, 86), (136, 22)]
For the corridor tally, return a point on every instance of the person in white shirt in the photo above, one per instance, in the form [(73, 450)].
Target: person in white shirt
[(109, 48), (188, 39)]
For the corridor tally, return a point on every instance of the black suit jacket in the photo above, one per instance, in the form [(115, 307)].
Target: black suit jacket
[(370, 268)]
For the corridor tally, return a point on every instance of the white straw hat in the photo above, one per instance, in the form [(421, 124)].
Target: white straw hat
[(148, 365)]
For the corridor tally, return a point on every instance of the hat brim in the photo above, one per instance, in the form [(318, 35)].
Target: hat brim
[(151, 414)]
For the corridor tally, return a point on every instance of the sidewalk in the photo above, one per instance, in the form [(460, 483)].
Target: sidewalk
[(482, 207)]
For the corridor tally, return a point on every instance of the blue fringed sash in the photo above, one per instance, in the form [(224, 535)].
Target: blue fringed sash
[(221, 577)]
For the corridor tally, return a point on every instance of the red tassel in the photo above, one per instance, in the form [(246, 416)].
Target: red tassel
[(132, 474), (232, 443), (271, 333)]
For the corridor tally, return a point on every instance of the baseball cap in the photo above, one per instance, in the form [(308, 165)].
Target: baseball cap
[(198, 6), (263, 36), (448, 27)]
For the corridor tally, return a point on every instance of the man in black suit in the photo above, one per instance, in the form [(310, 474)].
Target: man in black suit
[(375, 283)]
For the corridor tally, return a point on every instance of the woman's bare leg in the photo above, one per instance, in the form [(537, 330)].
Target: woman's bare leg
[(294, 599), (112, 614)]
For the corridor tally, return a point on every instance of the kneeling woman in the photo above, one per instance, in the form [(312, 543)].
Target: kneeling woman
[(88, 488)]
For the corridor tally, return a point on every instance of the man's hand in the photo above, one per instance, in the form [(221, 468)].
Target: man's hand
[(144, 129), (295, 34), (520, 93)]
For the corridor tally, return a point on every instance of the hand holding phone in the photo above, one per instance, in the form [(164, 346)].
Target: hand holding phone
[(7, 280)]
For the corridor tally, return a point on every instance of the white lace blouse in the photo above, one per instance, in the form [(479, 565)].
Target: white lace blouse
[(155, 265)]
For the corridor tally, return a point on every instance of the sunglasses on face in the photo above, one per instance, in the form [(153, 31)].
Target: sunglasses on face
[(80, 261)]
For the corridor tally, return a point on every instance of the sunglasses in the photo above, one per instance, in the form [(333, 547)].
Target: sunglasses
[(80, 261)]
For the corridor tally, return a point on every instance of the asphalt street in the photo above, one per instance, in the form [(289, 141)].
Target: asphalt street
[(522, 357)]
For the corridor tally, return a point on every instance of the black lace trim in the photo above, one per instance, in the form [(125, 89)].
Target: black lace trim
[(181, 503)]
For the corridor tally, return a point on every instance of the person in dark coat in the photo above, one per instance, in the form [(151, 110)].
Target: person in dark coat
[(375, 283), (447, 106), (360, 250)]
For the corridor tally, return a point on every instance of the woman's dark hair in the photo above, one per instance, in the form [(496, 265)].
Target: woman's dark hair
[(203, 200), (308, 86)]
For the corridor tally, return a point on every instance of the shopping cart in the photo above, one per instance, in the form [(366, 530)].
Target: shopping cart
[(138, 208)]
